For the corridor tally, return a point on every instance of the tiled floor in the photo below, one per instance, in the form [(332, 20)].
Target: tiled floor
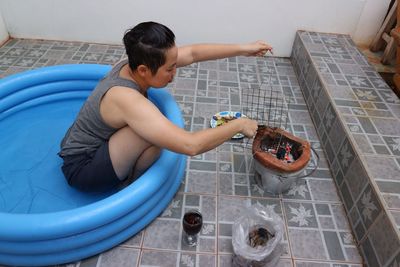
[(374, 58), (317, 232)]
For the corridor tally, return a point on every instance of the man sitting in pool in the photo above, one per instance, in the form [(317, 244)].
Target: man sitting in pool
[(119, 132)]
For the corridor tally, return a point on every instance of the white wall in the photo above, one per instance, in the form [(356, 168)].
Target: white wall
[(276, 21), (3, 30), (370, 21)]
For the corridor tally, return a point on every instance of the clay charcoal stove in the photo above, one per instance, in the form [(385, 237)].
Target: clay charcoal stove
[(279, 157), (280, 151)]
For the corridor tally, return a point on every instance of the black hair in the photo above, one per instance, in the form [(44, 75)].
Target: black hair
[(146, 44)]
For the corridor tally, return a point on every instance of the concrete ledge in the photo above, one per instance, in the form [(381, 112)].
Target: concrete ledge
[(357, 117)]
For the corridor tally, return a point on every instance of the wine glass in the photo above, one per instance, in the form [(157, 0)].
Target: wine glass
[(192, 223)]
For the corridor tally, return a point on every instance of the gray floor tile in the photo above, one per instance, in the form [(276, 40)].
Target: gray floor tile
[(159, 258), (135, 241), (307, 243), (220, 183), (121, 257), (164, 234)]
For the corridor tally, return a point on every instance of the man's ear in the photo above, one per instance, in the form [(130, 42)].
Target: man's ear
[(143, 70)]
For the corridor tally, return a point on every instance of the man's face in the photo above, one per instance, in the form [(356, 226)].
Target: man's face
[(165, 74)]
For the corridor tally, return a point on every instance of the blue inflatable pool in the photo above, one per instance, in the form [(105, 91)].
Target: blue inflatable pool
[(43, 220)]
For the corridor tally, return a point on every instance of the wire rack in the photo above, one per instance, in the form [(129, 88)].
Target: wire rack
[(270, 107), (266, 104)]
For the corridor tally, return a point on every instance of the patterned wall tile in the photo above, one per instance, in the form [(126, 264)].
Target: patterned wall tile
[(368, 206), (384, 239), (329, 116), (356, 178), (336, 133), (337, 173), (360, 231), (345, 155), (395, 261), (322, 101), (369, 254), (346, 196)]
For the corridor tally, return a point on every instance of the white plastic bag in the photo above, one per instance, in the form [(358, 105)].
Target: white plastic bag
[(266, 254)]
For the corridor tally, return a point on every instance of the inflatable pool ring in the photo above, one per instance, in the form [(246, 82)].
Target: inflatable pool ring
[(44, 221)]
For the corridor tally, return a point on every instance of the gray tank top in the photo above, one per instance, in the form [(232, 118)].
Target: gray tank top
[(89, 131)]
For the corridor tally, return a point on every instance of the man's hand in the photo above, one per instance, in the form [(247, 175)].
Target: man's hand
[(257, 49), (248, 127)]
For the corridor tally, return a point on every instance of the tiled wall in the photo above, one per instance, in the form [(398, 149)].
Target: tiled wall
[(357, 119)]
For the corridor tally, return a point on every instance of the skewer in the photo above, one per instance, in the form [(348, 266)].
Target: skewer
[(287, 114), (270, 99), (281, 114)]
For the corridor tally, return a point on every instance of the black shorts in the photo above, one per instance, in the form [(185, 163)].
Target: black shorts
[(91, 172)]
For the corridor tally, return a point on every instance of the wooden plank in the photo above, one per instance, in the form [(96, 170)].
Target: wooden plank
[(378, 43), (389, 51)]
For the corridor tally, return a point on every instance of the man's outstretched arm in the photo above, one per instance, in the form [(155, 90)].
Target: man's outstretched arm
[(202, 52)]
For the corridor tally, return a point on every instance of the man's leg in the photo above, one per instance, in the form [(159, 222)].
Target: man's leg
[(148, 157), (130, 153)]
